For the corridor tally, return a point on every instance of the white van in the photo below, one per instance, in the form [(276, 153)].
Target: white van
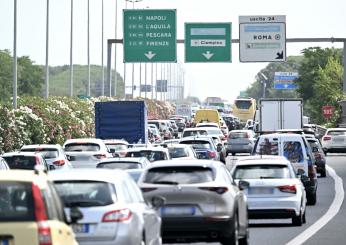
[(296, 149)]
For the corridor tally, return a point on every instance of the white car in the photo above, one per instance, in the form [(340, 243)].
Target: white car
[(151, 153), (53, 154), (113, 208), (209, 124), (117, 147), (85, 153), (334, 140), (274, 192), (181, 151), (203, 203)]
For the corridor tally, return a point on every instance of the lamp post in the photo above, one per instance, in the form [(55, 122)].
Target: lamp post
[(264, 83)]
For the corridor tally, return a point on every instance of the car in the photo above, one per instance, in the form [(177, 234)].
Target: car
[(135, 173), (26, 160), (203, 203), (86, 153), (205, 147), (113, 208), (170, 142), (181, 151), (297, 150), (193, 132), (3, 164), (124, 163), (181, 126), (240, 141), (31, 211), (320, 158), (274, 191), (207, 124), (116, 147), (151, 153), (334, 140), (53, 154)]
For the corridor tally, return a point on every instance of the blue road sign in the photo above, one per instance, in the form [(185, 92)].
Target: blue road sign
[(285, 80)]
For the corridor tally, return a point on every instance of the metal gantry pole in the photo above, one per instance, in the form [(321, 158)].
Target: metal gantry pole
[(140, 79), (47, 51), (115, 51), (133, 80), (88, 44), (102, 51), (344, 84), (152, 81), (109, 60), (71, 52), (15, 55), (161, 82), (156, 81)]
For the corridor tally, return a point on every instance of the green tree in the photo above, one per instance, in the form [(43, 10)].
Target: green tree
[(5, 75), (30, 77)]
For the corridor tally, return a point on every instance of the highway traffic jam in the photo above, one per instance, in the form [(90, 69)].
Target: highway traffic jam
[(201, 175)]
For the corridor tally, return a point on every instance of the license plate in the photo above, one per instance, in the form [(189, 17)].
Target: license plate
[(178, 211), (81, 228), (260, 190), (338, 140)]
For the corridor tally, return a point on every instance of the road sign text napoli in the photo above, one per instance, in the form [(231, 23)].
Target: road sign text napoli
[(150, 35), (262, 38), (208, 42)]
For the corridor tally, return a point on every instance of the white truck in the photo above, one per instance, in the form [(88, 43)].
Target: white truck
[(275, 114)]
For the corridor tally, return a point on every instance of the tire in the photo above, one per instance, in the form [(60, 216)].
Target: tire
[(311, 198), (298, 220), (304, 217), (233, 238), (325, 153), (233, 153), (245, 240)]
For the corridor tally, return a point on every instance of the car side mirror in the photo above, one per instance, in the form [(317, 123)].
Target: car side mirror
[(51, 167), (111, 151), (157, 202), (75, 215), (242, 184)]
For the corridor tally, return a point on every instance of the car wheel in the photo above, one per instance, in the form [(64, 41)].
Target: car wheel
[(298, 220), (311, 198), (245, 240), (233, 238), (325, 153), (323, 173), (304, 217)]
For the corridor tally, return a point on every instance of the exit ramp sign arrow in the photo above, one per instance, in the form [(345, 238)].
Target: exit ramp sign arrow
[(208, 42)]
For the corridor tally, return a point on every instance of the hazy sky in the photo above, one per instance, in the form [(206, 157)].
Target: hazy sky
[(304, 18)]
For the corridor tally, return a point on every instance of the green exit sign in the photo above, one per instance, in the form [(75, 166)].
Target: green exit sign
[(208, 42), (150, 35)]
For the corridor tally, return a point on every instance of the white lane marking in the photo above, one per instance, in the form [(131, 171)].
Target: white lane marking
[(332, 211)]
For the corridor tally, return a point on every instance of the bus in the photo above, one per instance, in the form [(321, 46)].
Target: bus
[(244, 108)]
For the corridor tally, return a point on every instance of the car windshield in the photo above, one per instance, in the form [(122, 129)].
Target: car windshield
[(82, 147), (179, 175), (336, 133), (119, 165), (16, 201), (21, 162), (47, 153), (177, 152), (150, 155), (261, 172), (197, 145), (85, 193)]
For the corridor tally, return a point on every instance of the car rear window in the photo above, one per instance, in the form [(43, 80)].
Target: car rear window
[(177, 152), (150, 155), (213, 131), (336, 133), (194, 133), (179, 175), (82, 147), (47, 153), (85, 193), (197, 144), (16, 202), (267, 147), (119, 165), (116, 147), (261, 172), (238, 135), (21, 162)]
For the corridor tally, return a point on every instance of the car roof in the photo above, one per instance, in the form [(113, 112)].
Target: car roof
[(336, 129), (92, 174), (240, 131), (200, 138), (41, 146), (84, 140), (150, 148), (116, 141), (123, 159), (185, 163), (279, 135), (21, 175), (21, 153), (264, 160)]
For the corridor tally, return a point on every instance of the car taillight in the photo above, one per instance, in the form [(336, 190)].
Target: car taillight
[(117, 215), (326, 138), (147, 189), (212, 154), (288, 189), (44, 234), (100, 156), (218, 190), (40, 211), (59, 162)]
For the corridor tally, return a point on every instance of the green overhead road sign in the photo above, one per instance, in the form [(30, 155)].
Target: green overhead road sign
[(208, 42), (150, 35)]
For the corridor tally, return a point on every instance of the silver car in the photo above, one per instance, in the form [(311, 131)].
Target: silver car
[(124, 163), (86, 153), (113, 208), (203, 203), (52, 153), (240, 141)]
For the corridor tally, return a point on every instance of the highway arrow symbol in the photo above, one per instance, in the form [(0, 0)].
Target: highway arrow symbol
[(280, 56), (150, 55), (208, 55)]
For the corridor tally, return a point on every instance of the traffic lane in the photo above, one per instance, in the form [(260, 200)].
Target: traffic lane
[(281, 231), (334, 231)]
